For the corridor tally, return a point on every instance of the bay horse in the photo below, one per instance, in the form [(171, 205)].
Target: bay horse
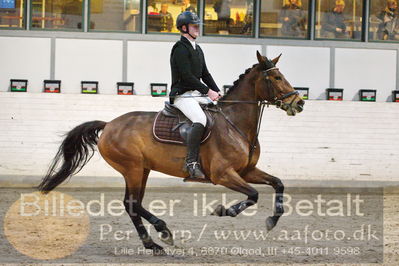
[(228, 157)]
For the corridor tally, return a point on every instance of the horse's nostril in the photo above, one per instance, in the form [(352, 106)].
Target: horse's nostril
[(301, 103)]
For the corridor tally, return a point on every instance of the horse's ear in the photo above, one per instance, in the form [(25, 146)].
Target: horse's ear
[(275, 60), (260, 57)]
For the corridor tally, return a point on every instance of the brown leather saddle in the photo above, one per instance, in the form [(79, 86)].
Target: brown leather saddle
[(171, 125)]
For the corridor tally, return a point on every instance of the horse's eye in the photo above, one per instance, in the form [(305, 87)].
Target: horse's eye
[(277, 78)]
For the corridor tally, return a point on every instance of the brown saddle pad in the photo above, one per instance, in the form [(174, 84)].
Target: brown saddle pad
[(170, 123)]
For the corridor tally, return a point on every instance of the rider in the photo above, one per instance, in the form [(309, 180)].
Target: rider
[(188, 67)]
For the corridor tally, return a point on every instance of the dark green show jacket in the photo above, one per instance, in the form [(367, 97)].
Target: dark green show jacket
[(188, 67)]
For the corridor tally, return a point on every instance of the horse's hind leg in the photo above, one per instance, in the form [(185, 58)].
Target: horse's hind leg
[(135, 187), (132, 202), (233, 181), (256, 176)]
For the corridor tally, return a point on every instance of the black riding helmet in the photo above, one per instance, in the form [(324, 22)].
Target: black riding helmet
[(186, 18)]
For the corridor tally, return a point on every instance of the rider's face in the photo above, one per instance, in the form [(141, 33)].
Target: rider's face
[(194, 29)]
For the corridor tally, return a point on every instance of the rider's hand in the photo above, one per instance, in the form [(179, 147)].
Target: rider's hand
[(213, 95)]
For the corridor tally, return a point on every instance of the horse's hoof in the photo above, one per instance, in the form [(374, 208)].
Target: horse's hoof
[(166, 237), (270, 223), (220, 210)]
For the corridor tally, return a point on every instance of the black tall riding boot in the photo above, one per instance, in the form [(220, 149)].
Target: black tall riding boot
[(193, 146)]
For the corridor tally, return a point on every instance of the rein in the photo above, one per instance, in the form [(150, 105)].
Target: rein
[(261, 107)]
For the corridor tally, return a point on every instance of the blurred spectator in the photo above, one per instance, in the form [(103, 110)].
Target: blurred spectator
[(248, 17), (222, 8), (293, 19), (188, 7), (388, 29), (166, 18), (152, 8), (333, 23)]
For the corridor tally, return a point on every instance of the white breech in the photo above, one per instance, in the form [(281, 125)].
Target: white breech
[(190, 106)]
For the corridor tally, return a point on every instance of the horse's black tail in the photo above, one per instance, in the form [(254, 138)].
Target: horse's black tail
[(75, 151)]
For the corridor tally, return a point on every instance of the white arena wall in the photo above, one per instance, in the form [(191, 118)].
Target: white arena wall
[(346, 140), (143, 62)]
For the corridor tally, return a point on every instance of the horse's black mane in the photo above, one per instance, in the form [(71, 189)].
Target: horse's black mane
[(268, 64), (240, 78)]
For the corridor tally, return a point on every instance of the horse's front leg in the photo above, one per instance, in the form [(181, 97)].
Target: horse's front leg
[(256, 176), (232, 180)]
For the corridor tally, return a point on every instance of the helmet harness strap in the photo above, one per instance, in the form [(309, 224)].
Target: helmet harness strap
[(187, 31)]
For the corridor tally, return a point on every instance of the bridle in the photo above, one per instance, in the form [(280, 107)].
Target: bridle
[(276, 101), (261, 106), (279, 101)]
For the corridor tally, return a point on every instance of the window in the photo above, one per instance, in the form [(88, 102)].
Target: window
[(57, 14), (115, 15), (284, 18), (161, 15), (12, 14), (225, 17), (384, 20), (339, 19)]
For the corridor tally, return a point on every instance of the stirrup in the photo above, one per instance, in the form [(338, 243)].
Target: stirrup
[(194, 169), (192, 163)]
